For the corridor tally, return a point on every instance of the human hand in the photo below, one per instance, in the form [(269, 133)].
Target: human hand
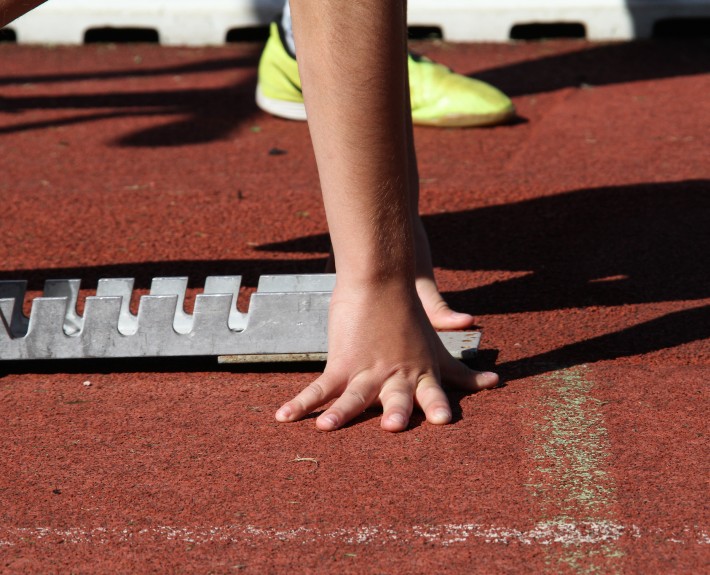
[(383, 349)]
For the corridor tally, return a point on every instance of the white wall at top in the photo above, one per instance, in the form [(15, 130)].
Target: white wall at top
[(178, 22), (492, 20), (206, 22)]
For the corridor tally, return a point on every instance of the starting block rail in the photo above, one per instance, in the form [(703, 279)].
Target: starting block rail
[(287, 320)]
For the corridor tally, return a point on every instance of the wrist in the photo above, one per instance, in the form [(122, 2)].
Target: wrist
[(376, 289), (378, 270)]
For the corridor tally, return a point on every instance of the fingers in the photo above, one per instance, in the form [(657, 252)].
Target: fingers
[(457, 374), (353, 400), (433, 401), (443, 317), (321, 391), (397, 405), (356, 397), (396, 395), (437, 310), (397, 398)]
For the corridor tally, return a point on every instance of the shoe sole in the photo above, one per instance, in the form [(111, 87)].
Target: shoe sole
[(280, 108), (469, 120), (297, 111)]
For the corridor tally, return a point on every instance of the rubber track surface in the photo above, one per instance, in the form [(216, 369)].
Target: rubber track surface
[(578, 236)]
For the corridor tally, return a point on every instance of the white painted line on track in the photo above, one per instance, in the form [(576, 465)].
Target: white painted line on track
[(567, 534)]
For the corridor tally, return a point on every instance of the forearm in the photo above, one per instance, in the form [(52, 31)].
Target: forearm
[(381, 346), (12, 9), (352, 59)]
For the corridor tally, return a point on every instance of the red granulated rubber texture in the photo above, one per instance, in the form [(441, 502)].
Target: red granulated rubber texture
[(577, 235)]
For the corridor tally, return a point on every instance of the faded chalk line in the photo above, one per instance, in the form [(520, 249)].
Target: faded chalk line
[(567, 534), (571, 479)]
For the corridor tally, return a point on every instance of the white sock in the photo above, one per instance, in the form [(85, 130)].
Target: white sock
[(288, 29)]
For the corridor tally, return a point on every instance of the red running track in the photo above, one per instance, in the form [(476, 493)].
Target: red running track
[(577, 235)]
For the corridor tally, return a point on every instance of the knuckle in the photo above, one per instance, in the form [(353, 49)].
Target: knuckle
[(428, 383), (312, 396), (315, 391), (463, 375), (397, 395), (400, 399), (354, 395), (430, 392)]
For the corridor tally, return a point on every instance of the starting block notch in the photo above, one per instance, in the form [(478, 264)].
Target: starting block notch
[(287, 320)]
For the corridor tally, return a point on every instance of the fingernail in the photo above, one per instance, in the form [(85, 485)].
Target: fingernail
[(397, 418), (492, 377), (284, 414), (330, 421), (442, 416)]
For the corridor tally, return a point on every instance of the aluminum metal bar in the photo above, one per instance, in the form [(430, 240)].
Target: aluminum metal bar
[(287, 320)]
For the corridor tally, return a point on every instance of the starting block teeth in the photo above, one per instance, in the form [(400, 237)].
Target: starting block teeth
[(14, 322), (287, 320)]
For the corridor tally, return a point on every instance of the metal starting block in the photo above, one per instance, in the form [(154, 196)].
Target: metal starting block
[(287, 320)]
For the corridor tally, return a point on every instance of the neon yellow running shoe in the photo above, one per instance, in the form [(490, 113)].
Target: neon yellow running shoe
[(439, 96)]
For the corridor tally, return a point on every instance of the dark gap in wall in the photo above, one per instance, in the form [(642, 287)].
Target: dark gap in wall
[(425, 33), (548, 30), (8, 35), (121, 36), (248, 34), (682, 28)]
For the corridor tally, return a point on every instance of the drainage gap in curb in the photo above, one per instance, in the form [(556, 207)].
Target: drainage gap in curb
[(121, 36), (7, 35), (248, 34), (682, 28), (425, 33), (548, 30)]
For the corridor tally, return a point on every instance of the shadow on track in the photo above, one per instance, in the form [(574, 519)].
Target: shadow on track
[(202, 114), (601, 65), (607, 246), (194, 364), (669, 331), (197, 67), (209, 114)]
